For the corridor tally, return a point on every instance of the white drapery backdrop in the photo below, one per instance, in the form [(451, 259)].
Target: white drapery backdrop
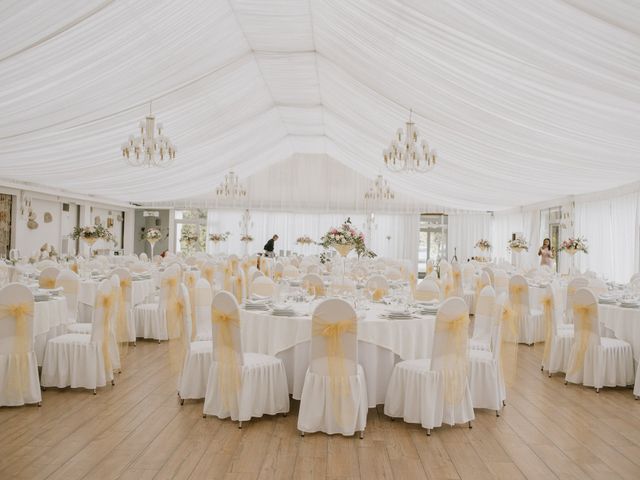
[(465, 230), (611, 227), (402, 230)]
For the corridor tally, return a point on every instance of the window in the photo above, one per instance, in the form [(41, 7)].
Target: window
[(433, 239), (191, 231)]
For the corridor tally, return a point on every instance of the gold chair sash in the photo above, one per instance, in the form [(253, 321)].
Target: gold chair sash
[(229, 372), (339, 383), (456, 378), (509, 344), (239, 288), (18, 383), (106, 302), (317, 290), (208, 273), (74, 267), (176, 339), (547, 311), (190, 281), (429, 269), (412, 284), (378, 293), (228, 280), (122, 326), (47, 283), (172, 316), (582, 324)]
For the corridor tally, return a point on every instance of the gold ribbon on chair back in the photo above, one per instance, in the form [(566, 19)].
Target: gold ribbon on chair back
[(412, 284), (509, 343), (456, 379), (547, 311), (429, 268), (277, 275), (208, 273), (448, 288), (48, 282), (190, 280), (106, 302), (229, 372), (74, 267), (317, 290), (238, 288), (176, 339), (516, 298), (339, 383), (378, 293), (457, 279), (122, 326), (172, 313), (228, 279), (18, 384), (582, 324)]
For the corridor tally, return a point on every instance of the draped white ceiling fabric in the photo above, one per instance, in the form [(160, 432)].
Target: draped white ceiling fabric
[(524, 101)]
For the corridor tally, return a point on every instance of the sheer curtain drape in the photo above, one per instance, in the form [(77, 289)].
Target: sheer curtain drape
[(401, 230), (611, 229), (465, 230)]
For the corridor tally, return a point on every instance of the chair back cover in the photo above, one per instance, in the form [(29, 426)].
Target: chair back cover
[(48, 277), (490, 273), (208, 272), (485, 312), (378, 286), (467, 275), (103, 314), (597, 286), (519, 293), (203, 299), (313, 283), (263, 286), (334, 342), (586, 327), (290, 271), (69, 281), (427, 290), (574, 285), (500, 281), (16, 319)]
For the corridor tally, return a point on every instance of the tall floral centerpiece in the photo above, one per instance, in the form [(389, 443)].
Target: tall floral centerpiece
[(573, 245), (304, 241), (484, 246), (517, 246), (189, 238), (246, 239), (217, 238), (343, 240), (90, 234), (153, 236)]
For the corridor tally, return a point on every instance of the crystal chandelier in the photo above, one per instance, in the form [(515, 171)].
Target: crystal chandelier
[(231, 187), (152, 148), (405, 155), (380, 190)]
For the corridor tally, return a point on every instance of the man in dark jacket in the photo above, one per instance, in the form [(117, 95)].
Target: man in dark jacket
[(269, 246)]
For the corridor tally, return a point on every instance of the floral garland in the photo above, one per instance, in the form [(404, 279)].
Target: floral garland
[(578, 244), (518, 244), (219, 237), (304, 240), (91, 231), (483, 244), (189, 237)]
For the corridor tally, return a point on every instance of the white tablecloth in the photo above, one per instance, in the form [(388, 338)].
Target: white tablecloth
[(381, 344), (623, 323), (140, 289), (49, 319)]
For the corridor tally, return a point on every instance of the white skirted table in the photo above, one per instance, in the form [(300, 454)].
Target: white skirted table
[(623, 323), (140, 290), (49, 320), (381, 344)]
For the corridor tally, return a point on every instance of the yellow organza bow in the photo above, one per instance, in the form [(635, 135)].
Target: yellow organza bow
[(47, 282), (239, 288), (378, 293), (74, 267), (339, 383), (18, 383), (171, 286), (229, 373), (190, 281), (122, 326), (516, 292), (456, 331), (208, 273), (582, 315), (106, 303), (317, 290), (547, 310), (448, 289), (429, 269), (509, 344), (412, 284), (176, 338), (228, 280)]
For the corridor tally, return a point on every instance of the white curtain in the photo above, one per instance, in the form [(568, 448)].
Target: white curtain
[(402, 231), (464, 231), (611, 228)]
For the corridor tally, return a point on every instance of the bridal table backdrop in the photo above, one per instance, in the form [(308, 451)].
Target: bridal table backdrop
[(319, 239)]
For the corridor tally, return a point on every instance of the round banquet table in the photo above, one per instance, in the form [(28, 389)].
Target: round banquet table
[(140, 290), (622, 323), (381, 344), (49, 320)]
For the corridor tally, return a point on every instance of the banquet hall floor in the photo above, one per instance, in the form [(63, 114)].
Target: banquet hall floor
[(137, 429)]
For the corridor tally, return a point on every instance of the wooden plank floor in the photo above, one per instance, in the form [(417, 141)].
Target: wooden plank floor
[(138, 430)]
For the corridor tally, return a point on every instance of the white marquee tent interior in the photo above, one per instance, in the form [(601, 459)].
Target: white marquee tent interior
[(532, 106)]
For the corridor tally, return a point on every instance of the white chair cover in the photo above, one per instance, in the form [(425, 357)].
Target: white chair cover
[(69, 281), (19, 383), (334, 395), (263, 286), (427, 290), (483, 320), (151, 318), (594, 361), (314, 284), (531, 325), (558, 336), (574, 285), (203, 299), (48, 277), (240, 385), (78, 360), (436, 391)]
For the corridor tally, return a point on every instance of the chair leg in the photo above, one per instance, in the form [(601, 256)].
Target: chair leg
[(428, 432), (597, 390), (240, 425), (549, 374), (159, 342), (497, 413), (113, 383), (542, 368), (470, 426), (361, 434), (39, 404), (301, 433), (566, 383), (94, 391), (504, 403), (204, 415)]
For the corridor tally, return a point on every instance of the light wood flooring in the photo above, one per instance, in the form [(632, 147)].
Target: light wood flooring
[(138, 430)]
